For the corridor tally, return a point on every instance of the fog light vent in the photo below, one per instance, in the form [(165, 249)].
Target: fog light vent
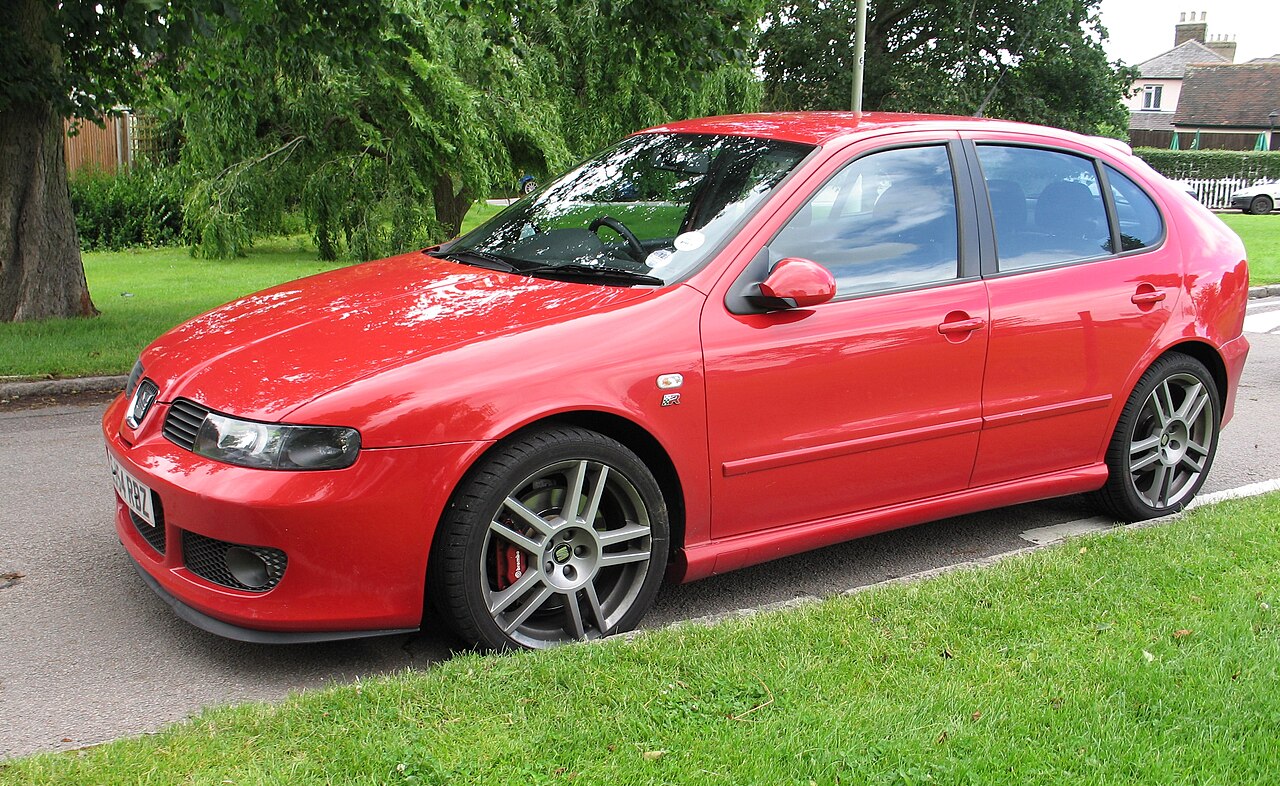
[(252, 568)]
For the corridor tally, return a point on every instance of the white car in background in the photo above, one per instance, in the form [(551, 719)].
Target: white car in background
[(1258, 200)]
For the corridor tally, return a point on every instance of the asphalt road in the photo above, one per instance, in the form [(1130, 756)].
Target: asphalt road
[(88, 653)]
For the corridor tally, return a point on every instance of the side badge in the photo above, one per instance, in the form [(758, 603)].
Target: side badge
[(670, 382)]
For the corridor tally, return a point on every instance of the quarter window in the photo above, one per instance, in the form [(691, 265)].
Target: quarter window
[(1046, 206), (885, 221), (1140, 222)]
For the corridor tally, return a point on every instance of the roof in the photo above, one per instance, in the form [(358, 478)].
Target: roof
[(816, 128), (1233, 96), (1173, 63), (1140, 120)]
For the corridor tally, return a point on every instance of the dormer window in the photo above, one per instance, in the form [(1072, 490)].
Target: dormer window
[(1151, 96)]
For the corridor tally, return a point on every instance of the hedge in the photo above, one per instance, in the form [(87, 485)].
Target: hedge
[(1212, 164), (142, 207)]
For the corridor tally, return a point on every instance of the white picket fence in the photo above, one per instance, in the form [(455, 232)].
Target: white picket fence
[(1217, 193)]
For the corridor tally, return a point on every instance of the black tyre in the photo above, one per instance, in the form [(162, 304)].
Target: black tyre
[(558, 535), (1260, 205), (529, 187), (1164, 442)]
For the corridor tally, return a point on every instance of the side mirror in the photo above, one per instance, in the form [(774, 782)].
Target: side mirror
[(795, 283)]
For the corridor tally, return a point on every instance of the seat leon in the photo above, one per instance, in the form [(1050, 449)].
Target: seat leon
[(718, 342)]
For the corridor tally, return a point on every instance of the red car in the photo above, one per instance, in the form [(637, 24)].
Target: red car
[(719, 342)]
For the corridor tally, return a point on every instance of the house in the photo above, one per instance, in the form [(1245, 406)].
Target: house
[(1157, 90), (1231, 107)]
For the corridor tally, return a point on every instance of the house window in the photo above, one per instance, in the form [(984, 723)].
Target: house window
[(1151, 96)]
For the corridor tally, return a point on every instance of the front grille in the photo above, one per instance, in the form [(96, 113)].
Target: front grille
[(207, 558), (153, 535), (183, 422)]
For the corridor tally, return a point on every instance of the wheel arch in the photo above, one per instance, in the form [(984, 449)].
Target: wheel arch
[(632, 435), (1209, 357)]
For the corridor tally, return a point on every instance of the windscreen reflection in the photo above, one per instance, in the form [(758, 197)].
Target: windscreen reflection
[(653, 207)]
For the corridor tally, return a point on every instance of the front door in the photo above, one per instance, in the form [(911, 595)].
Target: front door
[(874, 398)]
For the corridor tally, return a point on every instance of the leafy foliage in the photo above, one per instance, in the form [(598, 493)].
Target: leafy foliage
[(1041, 62), (1212, 164), (388, 152)]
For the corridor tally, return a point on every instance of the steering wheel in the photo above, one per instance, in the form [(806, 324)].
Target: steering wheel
[(633, 243)]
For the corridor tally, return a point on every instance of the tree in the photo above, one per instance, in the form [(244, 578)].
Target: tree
[(80, 59), (389, 152), (1034, 61)]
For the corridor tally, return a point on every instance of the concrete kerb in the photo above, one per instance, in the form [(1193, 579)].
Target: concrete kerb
[(1272, 290), (1250, 490), (55, 387)]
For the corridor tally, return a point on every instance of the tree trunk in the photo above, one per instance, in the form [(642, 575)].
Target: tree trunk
[(41, 275), (451, 204)]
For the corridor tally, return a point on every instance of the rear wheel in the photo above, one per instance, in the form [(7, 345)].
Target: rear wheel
[(560, 535), (1164, 442), (1261, 205)]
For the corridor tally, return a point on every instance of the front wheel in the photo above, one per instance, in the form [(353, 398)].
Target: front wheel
[(1261, 205), (1164, 442), (557, 536)]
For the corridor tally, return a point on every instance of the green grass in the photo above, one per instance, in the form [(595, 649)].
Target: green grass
[(1261, 236), (1143, 656), (144, 292)]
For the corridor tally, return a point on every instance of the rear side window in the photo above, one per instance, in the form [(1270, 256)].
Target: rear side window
[(1140, 222), (886, 221), (1047, 206)]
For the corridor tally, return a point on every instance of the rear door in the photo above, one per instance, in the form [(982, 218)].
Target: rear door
[(1079, 290)]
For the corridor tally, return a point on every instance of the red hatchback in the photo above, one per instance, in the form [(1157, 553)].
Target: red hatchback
[(719, 342)]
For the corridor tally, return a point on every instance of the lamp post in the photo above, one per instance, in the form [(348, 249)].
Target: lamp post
[(1271, 127), (859, 55)]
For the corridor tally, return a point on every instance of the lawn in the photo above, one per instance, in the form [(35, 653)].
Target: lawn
[(1139, 656), (1261, 236), (144, 292)]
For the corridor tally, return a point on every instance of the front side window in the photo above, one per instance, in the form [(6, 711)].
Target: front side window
[(1046, 205), (885, 221), (648, 211)]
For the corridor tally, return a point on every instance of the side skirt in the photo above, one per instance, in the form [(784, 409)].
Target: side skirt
[(728, 554)]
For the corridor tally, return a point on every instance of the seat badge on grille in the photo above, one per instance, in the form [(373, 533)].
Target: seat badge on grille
[(143, 398)]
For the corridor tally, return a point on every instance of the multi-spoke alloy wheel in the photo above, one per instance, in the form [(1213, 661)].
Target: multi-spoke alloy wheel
[(559, 536), (1164, 442)]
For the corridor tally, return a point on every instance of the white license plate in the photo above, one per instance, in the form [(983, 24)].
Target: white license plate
[(133, 491)]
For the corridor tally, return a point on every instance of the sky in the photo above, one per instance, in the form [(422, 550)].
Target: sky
[(1142, 29)]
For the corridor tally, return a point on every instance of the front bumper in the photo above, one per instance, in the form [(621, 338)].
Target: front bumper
[(356, 539), (1241, 202)]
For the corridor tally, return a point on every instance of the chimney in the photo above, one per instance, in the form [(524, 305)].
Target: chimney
[(1223, 46), (1189, 29)]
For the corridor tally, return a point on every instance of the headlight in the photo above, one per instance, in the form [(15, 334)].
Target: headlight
[(275, 445), (135, 374)]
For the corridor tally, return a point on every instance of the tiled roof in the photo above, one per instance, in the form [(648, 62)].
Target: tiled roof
[(1239, 96), (1173, 64), (1150, 121)]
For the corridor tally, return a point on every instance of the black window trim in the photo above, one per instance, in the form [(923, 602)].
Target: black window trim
[(986, 219), (968, 219)]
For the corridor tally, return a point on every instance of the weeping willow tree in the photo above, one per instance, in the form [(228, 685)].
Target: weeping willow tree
[(388, 152)]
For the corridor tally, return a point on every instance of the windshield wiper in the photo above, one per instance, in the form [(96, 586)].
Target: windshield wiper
[(479, 259), (578, 270)]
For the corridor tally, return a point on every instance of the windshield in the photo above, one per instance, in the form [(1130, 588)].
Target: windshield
[(647, 211)]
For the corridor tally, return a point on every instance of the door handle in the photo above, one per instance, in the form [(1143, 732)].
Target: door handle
[(961, 326), (1147, 298)]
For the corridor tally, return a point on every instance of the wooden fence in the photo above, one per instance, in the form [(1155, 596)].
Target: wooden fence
[(107, 149), (1208, 140)]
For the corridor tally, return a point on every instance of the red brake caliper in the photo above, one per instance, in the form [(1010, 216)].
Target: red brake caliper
[(511, 563)]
